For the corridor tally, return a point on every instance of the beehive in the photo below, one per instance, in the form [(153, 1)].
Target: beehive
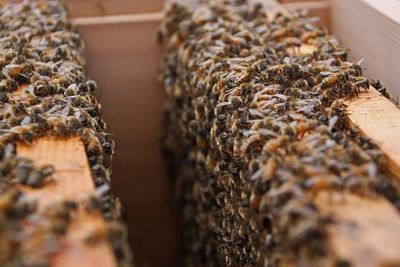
[(260, 143), (117, 59)]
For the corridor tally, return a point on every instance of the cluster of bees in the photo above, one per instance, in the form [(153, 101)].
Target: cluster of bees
[(255, 129), (44, 91)]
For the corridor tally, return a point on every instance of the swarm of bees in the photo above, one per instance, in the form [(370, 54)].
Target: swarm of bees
[(255, 129), (44, 90)]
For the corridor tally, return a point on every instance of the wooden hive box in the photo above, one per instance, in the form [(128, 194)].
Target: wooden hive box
[(123, 57)]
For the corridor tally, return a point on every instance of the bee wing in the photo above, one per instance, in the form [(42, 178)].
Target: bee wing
[(222, 104), (360, 61), (326, 73), (12, 66), (332, 122), (334, 69), (313, 19), (287, 60)]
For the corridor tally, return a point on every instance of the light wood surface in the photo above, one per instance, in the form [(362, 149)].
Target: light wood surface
[(116, 19), (71, 180), (315, 9), (365, 232), (76, 252), (379, 119), (90, 8)]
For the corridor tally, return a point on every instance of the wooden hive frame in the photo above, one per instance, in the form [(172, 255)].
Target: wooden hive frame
[(378, 222)]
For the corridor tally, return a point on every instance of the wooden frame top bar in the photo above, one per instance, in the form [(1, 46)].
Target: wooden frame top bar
[(72, 181)]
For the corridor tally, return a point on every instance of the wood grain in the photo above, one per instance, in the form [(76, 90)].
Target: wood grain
[(71, 180), (319, 9), (116, 19), (379, 119), (78, 254), (90, 8), (365, 232)]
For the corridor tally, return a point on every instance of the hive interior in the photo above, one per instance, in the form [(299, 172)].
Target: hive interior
[(147, 192), (255, 130)]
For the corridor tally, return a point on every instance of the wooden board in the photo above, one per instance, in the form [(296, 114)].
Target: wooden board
[(72, 181), (366, 231), (89, 8), (370, 29), (379, 119), (123, 57), (319, 9)]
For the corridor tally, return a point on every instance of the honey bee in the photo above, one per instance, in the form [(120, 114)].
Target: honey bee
[(73, 123), (11, 71), (59, 126), (23, 133), (256, 132), (280, 33), (362, 82), (22, 171), (301, 83), (381, 89), (333, 78), (37, 177), (310, 35)]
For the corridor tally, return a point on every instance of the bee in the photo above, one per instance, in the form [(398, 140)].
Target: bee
[(276, 69), (228, 82), (316, 184), (91, 85), (99, 170), (310, 35), (23, 170), (59, 126), (93, 147), (23, 133), (92, 144), (236, 102), (361, 82), (36, 177), (301, 83), (378, 86), (71, 90), (292, 42), (73, 123), (333, 78), (280, 33), (11, 71), (8, 85)]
